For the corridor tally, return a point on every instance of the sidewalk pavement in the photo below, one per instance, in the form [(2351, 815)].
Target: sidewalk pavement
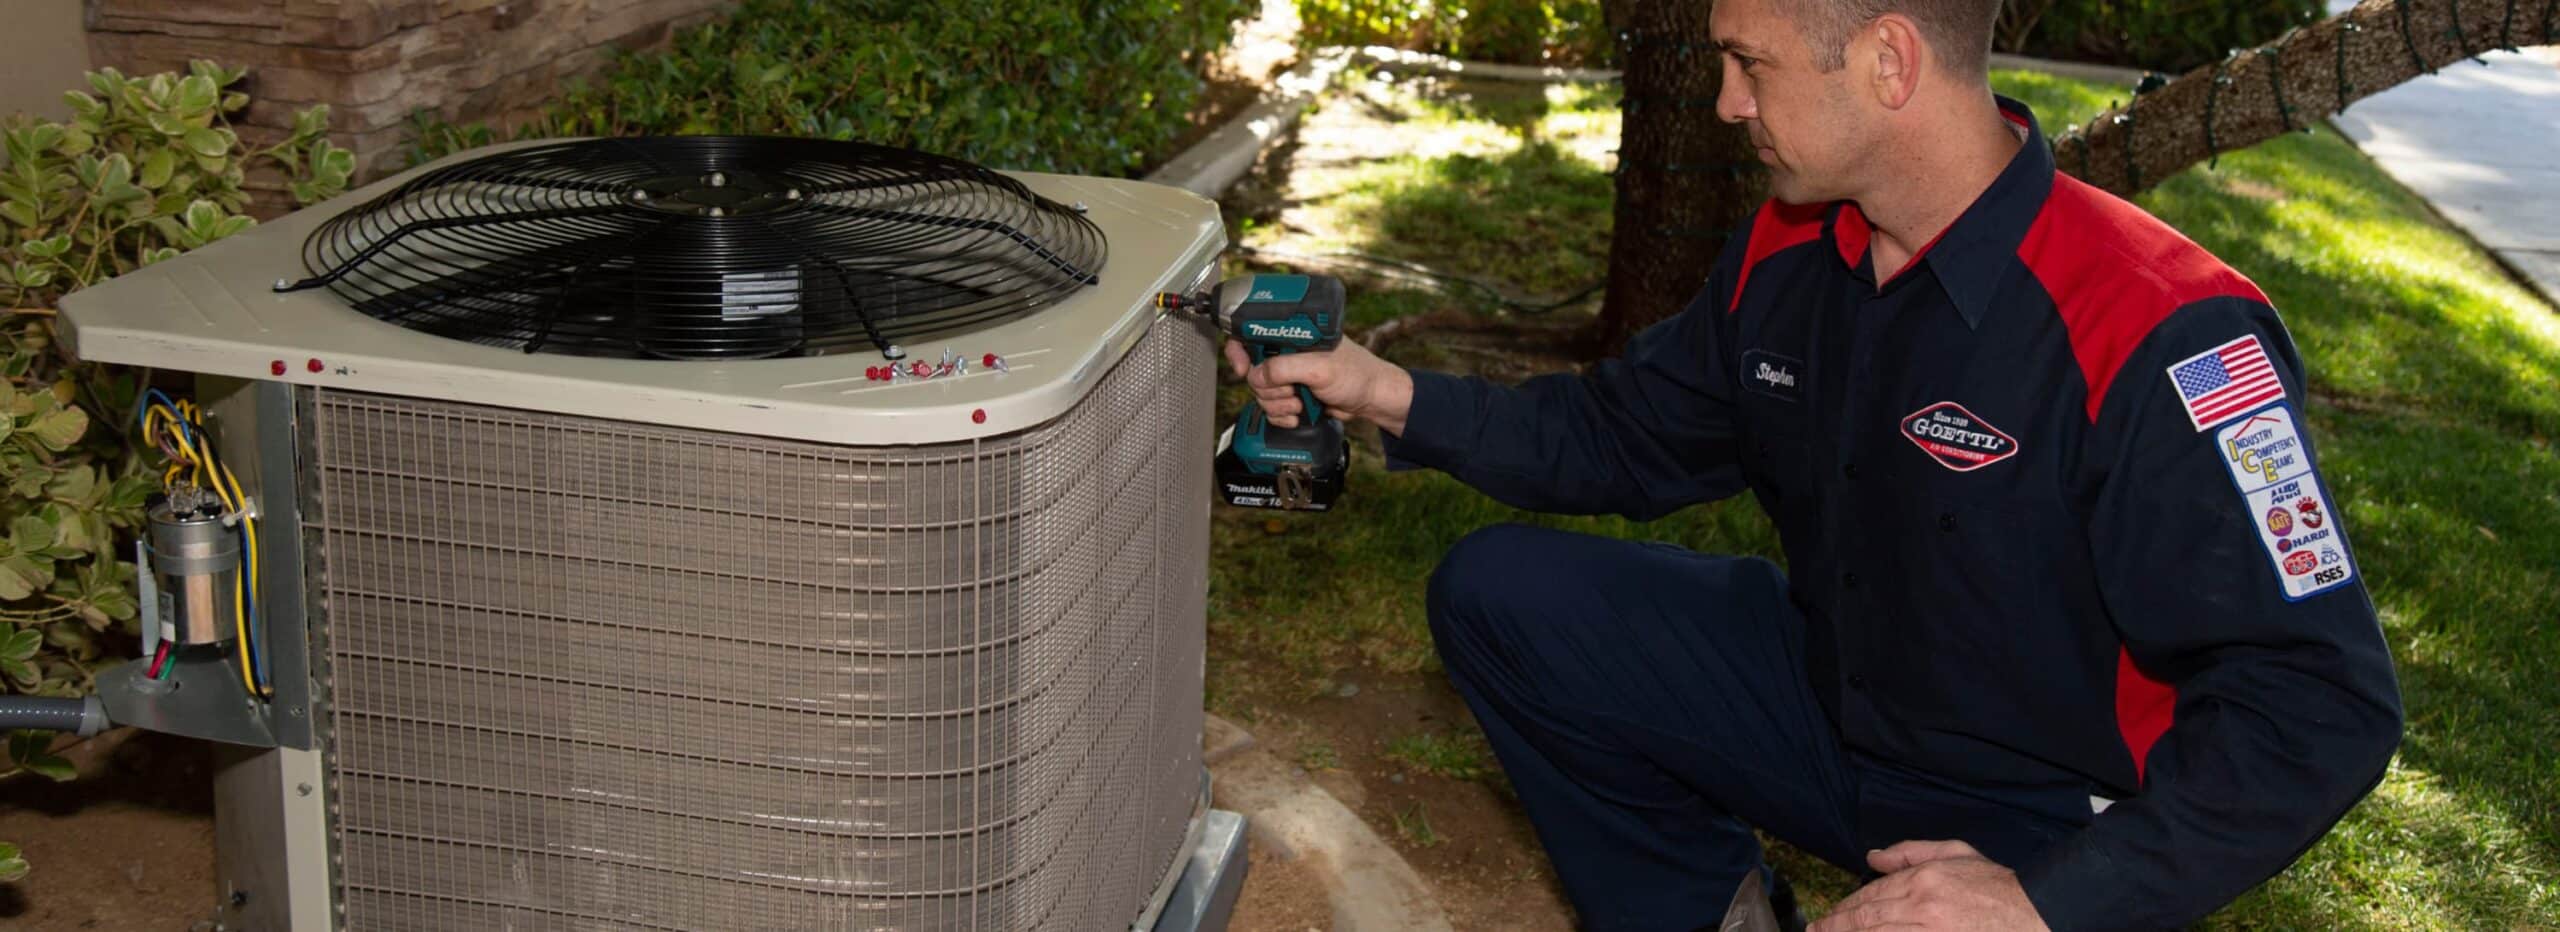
[(2482, 144)]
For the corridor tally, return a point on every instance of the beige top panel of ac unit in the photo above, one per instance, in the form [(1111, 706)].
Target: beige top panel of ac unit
[(215, 310)]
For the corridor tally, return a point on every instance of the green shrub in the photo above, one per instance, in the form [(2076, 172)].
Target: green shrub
[(1088, 86), (145, 168), (1516, 31), (2170, 36)]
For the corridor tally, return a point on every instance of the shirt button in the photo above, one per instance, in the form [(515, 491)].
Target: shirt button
[(1947, 521), (1849, 580), (1849, 470), (1857, 682)]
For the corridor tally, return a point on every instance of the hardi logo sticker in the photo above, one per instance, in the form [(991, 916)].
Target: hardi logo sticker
[(1956, 438)]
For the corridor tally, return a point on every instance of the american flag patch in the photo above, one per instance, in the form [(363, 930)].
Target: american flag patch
[(2226, 381)]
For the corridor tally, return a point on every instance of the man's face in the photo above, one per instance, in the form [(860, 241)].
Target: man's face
[(1808, 125)]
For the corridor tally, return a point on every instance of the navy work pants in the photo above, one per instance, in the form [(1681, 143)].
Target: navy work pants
[(1650, 705)]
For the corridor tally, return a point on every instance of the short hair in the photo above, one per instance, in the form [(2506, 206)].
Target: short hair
[(1960, 30)]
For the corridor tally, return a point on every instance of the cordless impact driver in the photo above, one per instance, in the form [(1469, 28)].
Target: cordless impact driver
[(1260, 464)]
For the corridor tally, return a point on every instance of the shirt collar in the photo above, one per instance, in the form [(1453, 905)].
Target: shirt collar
[(1969, 257)]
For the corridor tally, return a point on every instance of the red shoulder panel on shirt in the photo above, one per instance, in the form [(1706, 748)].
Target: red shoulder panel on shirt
[(2115, 272), (1777, 227)]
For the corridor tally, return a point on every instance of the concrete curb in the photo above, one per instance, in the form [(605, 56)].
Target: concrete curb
[(1215, 162), (1371, 887), (1395, 57)]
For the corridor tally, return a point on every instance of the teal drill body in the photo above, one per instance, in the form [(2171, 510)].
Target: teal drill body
[(1262, 464)]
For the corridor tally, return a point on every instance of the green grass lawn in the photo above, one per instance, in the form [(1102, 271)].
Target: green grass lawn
[(2435, 384)]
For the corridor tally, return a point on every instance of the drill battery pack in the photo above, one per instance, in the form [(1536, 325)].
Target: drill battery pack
[(1292, 488)]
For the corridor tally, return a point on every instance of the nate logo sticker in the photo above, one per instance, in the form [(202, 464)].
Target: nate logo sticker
[(1956, 438), (1773, 375)]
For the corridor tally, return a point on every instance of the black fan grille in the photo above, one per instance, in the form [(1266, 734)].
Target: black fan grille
[(703, 247)]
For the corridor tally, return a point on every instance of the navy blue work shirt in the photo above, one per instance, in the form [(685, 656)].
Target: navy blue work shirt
[(2049, 506)]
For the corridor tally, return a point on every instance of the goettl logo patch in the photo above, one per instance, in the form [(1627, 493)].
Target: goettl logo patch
[(1956, 438)]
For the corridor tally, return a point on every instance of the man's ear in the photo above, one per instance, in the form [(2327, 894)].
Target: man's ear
[(1899, 57)]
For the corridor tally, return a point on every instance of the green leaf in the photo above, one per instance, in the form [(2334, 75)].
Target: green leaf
[(158, 166), (21, 644), (231, 225), (20, 214), (21, 577), (77, 140), (29, 533), (52, 766), (76, 486), (208, 143), (48, 247), (75, 640), (167, 125), (196, 94), (61, 428), (13, 868)]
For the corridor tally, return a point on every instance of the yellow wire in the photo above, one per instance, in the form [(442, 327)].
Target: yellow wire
[(200, 465)]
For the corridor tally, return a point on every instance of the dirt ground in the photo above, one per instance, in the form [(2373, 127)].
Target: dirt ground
[(128, 845), (1467, 838)]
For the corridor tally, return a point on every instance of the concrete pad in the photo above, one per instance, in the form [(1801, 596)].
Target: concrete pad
[(1371, 887)]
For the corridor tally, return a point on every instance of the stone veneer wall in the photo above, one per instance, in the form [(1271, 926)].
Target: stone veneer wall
[(376, 61)]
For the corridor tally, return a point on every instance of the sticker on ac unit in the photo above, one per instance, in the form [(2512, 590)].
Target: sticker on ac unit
[(2293, 514)]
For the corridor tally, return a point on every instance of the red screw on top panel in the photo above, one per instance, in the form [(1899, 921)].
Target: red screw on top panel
[(276, 367), (314, 365), (990, 360), (978, 416)]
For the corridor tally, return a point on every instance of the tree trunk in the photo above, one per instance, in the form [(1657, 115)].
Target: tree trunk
[(2292, 83), (1685, 178)]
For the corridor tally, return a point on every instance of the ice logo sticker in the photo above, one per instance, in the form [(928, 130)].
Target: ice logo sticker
[(2272, 468), (1958, 439)]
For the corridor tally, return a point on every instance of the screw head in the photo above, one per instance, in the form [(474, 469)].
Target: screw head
[(314, 365), (302, 789), (283, 284), (894, 351), (276, 367), (978, 416)]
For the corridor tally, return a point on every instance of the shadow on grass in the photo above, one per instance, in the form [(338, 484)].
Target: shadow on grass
[(1536, 218)]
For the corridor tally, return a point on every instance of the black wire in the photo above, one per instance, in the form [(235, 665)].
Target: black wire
[(2507, 27), (2410, 41), (2212, 89), (2275, 74), (1495, 295), (2132, 172), (2344, 30), (2454, 31)]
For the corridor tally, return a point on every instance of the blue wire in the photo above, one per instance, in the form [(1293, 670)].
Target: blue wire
[(248, 587)]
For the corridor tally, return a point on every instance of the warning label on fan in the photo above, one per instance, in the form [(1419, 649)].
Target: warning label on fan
[(759, 294)]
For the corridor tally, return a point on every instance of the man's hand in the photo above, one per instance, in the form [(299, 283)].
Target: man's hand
[(1352, 382), (1935, 885)]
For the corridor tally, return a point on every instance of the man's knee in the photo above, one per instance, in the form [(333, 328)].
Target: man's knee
[(1484, 573)]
